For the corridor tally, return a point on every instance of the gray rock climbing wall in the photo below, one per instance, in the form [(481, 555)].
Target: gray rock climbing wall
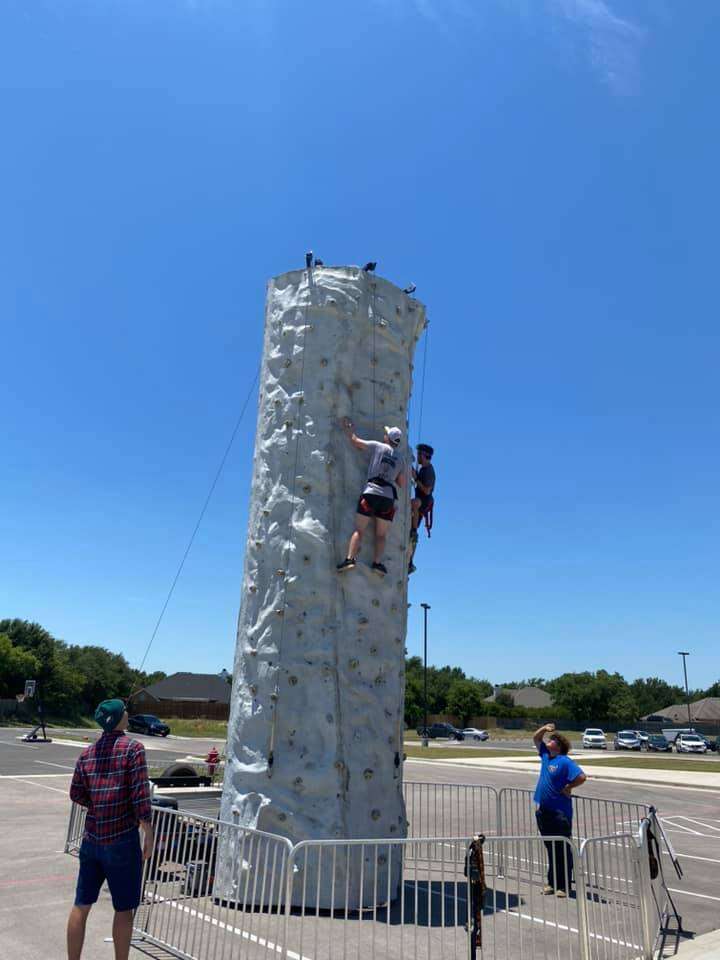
[(316, 726)]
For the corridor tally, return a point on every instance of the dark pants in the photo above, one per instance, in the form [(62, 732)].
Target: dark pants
[(553, 823)]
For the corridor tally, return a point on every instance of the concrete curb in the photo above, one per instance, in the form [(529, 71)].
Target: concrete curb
[(706, 947)]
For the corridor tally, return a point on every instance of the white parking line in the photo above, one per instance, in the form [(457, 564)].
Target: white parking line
[(687, 856), (47, 763), (698, 823), (689, 893), (34, 783)]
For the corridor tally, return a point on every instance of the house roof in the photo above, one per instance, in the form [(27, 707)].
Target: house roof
[(524, 696), (202, 687), (708, 708)]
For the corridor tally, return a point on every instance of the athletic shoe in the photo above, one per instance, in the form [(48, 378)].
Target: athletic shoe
[(561, 894), (379, 568), (412, 568), (548, 890), (347, 564)]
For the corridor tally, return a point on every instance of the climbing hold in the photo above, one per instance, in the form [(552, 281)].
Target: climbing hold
[(393, 828), (280, 612), (354, 663), (253, 689), (375, 814), (292, 681), (367, 773), (324, 362), (339, 765), (297, 783), (375, 602), (363, 620), (253, 652), (373, 649), (288, 362), (280, 573), (307, 488), (252, 588), (306, 559), (274, 695), (330, 718), (283, 816)]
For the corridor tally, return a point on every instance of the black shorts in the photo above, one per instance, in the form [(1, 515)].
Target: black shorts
[(372, 505), (426, 501)]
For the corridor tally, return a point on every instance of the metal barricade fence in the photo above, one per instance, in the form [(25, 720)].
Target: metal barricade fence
[(617, 919), (592, 816), (210, 887), (76, 828), (217, 891), (412, 899)]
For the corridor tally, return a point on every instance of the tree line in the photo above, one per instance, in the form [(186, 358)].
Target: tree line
[(584, 698), (73, 679)]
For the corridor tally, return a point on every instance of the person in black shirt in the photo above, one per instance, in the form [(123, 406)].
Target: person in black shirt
[(422, 502)]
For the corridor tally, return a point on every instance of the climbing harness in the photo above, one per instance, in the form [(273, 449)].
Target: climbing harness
[(475, 873)]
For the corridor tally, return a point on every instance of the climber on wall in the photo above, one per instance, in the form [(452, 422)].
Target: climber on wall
[(386, 469), (423, 501)]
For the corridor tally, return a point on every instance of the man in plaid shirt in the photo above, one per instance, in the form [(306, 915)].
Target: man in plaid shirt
[(111, 780)]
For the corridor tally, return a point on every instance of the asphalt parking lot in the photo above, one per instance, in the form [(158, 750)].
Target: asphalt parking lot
[(37, 879)]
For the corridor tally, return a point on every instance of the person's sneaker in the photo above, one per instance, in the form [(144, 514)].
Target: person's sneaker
[(548, 890), (561, 894), (347, 564), (411, 568), (379, 568)]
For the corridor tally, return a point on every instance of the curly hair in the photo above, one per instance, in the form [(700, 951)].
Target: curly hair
[(562, 741)]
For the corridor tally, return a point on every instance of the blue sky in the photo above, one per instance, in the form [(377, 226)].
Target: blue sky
[(544, 170)]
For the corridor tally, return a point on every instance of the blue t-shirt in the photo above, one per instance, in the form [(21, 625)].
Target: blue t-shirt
[(555, 774)]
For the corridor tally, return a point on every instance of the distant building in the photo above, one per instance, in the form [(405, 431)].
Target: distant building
[(186, 695), (706, 710), (523, 696)]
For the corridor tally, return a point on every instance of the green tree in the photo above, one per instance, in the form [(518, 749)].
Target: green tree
[(505, 700), (652, 694), (16, 666), (586, 696), (622, 707), (465, 699)]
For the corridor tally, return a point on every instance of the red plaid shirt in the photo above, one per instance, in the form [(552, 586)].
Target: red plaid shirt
[(111, 780)]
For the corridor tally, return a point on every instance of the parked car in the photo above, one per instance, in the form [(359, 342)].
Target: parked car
[(643, 738), (690, 743), (712, 745), (472, 733), (657, 742), (148, 723), (436, 730), (626, 740), (594, 738)]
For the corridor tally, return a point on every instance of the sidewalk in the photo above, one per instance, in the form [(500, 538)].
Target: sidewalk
[(706, 947), (670, 778)]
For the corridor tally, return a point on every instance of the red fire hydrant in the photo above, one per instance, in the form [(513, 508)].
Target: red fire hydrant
[(212, 760)]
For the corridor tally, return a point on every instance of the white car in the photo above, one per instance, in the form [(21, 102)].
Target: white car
[(472, 733), (690, 743), (594, 739), (643, 738)]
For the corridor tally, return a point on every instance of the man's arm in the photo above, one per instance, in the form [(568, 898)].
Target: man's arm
[(140, 796), (540, 733), (78, 789), (347, 426), (401, 479), (574, 784)]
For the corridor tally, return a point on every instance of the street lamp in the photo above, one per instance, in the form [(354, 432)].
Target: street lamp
[(684, 654), (426, 607)]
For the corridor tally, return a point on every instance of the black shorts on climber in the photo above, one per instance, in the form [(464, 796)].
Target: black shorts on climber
[(423, 501)]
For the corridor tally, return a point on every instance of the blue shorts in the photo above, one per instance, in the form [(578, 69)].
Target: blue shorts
[(119, 863)]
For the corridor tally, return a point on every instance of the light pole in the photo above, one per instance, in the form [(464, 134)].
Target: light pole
[(684, 654), (426, 607)]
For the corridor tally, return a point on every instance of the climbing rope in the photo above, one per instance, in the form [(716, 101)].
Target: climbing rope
[(214, 483), (422, 383), (288, 553), (373, 358)]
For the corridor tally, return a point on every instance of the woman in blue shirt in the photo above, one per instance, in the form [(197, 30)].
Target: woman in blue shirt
[(559, 776)]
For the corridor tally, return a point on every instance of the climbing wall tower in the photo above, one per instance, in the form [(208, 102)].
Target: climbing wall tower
[(316, 725)]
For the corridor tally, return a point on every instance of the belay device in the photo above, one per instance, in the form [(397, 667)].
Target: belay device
[(475, 872)]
